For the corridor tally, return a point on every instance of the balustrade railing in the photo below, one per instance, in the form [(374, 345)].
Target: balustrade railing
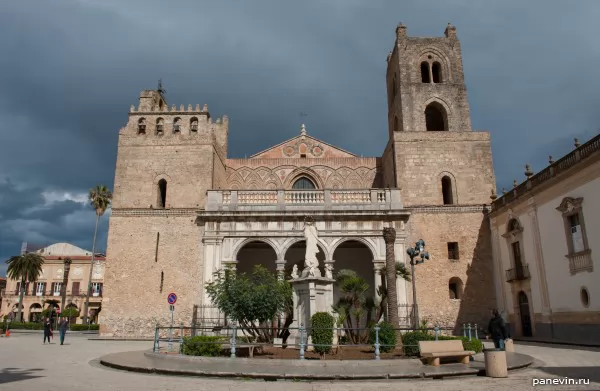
[(558, 167), (290, 199), (580, 262)]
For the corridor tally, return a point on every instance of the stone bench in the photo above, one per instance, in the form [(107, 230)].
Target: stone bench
[(239, 346), (432, 351)]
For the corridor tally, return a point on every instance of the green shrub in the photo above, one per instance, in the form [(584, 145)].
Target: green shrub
[(322, 332), (474, 344), (84, 327), (387, 337), (70, 312), (410, 341), (202, 345), (25, 326)]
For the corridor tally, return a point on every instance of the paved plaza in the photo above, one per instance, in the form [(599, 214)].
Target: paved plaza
[(26, 364)]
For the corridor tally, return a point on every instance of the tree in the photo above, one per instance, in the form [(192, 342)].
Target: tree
[(403, 273), (353, 305), (100, 198), (389, 236), (26, 268), (65, 281), (253, 301)]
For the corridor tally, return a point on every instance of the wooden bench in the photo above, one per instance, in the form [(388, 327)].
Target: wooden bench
[(432, 351), (240, 346)]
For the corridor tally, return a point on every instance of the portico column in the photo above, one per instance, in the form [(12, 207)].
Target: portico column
[(280, 263), (377, 266)]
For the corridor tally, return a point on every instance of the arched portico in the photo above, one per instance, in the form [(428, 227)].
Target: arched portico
[(253, 253), (356, 255)]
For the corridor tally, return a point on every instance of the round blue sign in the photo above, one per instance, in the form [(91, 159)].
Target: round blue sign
[(172, 298)]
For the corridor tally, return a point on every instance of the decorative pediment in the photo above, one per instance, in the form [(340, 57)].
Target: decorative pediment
[(302, 146), (513, 227), (570, 204)]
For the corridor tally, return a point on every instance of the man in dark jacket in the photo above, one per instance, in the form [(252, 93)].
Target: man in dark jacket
[(64, 325), (497, 329), (47, 330)]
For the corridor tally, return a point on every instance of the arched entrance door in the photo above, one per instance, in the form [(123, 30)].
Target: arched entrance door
[(524, 314)]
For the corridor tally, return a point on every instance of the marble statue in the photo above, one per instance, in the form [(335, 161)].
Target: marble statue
[(328, 270), (311, 263), (295, 272)]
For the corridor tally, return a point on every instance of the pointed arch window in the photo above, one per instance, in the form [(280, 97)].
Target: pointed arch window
[(447, 193), (436, 117), (303, 183), (425, 72), (162, 193), (436, 72)]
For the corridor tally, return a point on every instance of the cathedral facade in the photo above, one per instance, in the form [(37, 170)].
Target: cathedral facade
[(182, 209)]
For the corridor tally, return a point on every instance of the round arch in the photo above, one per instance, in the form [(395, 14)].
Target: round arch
[(291, 242), (356, 255), (254, 253), (442, 103), (241, 245), (364, 241), (303, 172), (295, 251), (439, 56), (453, 186)]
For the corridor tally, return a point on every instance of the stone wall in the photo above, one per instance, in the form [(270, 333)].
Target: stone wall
[(424, 158), (468, 226), (330, 173), (135, 298)]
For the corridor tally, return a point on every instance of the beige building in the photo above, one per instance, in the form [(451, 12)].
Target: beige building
[(183, 208), (544, 234), (48, 286)]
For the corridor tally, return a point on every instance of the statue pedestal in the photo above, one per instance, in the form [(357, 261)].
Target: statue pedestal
[(311, 295)]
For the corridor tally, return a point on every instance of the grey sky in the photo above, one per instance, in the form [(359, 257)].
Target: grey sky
[(69, 70)]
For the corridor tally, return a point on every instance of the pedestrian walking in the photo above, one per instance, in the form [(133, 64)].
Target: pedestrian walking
[(63, 326), (497, 329), (47, 330)]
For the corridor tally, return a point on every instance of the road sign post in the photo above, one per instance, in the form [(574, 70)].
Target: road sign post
[(171, 299)]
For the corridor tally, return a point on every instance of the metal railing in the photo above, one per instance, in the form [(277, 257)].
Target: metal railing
[(171, 340), (518, 273)]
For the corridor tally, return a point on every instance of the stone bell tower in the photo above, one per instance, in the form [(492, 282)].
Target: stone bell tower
[(430, 125), (445, 174)]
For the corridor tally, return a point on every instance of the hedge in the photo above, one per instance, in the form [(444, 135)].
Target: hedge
[(202, 345), (322, 332), (411, 342), (387, 337)]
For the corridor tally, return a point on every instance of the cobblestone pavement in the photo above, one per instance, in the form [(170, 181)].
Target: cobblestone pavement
[(26, 364)]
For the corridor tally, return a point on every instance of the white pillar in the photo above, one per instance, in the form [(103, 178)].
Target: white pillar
[(401, 285)]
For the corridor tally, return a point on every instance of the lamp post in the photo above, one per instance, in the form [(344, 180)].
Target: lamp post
[(417, 251)]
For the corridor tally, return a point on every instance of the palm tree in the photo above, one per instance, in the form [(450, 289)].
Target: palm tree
[(100, 198), (63, 289), (24, 267), (389, 236), (401, 272)]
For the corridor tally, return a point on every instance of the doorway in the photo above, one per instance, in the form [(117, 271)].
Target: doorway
[(526, 330)]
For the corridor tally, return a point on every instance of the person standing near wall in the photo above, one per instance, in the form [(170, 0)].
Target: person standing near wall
[(497, 329)]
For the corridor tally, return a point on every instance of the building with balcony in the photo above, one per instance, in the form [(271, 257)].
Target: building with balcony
[(47, 290), (184, 209), (543, 234)]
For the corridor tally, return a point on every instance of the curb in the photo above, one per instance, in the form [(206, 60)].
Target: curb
[(301, 376)]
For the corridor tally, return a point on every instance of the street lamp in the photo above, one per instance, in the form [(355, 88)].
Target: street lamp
[(417, 251)]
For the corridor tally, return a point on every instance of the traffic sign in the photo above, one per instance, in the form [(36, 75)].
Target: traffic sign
[(172, 298)]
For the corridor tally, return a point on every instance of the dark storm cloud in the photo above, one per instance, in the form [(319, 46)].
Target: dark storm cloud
[(69, 71)]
